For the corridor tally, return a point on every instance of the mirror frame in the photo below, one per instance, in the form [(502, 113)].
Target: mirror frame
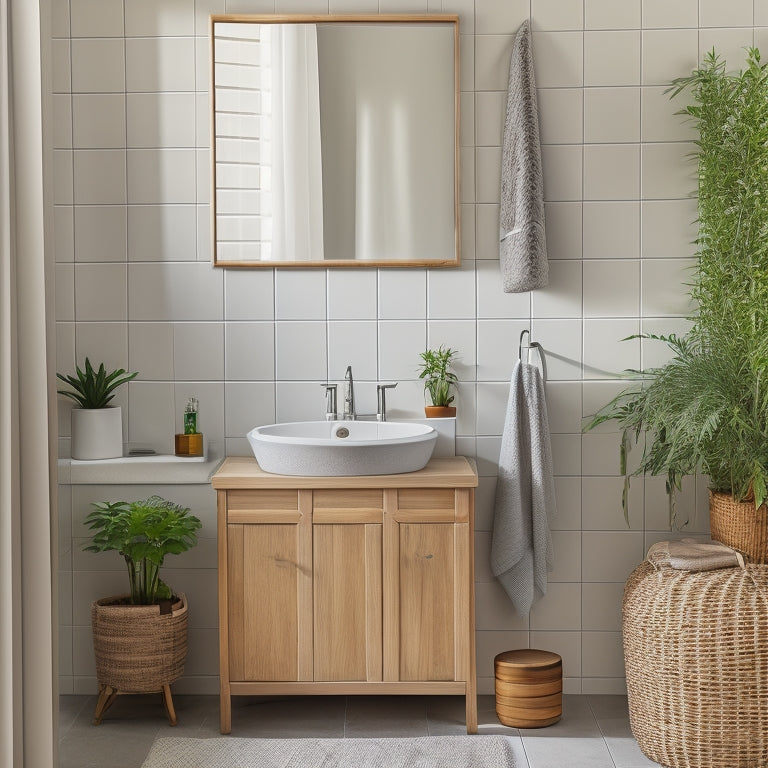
[(325, 19)]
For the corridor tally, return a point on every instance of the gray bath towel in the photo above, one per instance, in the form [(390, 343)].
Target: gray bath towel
[(521, 545), (522, 246)]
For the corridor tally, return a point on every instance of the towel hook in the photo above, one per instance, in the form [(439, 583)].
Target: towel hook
[(528, 345), (532, 345)]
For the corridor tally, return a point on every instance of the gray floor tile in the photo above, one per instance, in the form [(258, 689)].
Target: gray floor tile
[(69, 709), (571, 752), (386, 716), (626, 753), (577, 720), (124, 747), (446, 715), (294, 717), (611, 715)]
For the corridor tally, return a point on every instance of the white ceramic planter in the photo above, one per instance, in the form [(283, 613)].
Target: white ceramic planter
[(97, 433)]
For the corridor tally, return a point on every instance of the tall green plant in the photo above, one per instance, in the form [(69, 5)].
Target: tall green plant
[(143, 532), (706, 410)]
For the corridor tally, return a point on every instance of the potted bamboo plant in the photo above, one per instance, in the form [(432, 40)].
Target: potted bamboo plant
[(438, 381), (140, 638), (706, 410), (97, 427)]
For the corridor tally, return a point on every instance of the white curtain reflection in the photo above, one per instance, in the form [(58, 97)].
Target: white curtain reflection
[(384, 204), (296, 175)]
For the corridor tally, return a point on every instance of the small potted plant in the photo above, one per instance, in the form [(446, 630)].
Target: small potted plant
[(97, 427), (140, 638), (438, 380)]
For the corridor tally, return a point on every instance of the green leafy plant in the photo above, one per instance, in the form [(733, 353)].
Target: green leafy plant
[(706, 410), (438, 379), (92, 388), (143, 532)]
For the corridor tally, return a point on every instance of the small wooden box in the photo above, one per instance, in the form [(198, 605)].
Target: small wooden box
[(529, 688), (189, 445)]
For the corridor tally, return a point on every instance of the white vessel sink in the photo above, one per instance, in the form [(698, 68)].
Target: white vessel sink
[(342, 448)]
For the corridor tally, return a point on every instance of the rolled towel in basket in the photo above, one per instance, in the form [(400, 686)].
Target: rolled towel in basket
[(695, 555)]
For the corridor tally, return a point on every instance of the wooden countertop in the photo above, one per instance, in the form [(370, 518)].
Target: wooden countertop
[(239, 472)]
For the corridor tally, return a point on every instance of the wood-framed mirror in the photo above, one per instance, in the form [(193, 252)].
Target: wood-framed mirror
[(335, 140)]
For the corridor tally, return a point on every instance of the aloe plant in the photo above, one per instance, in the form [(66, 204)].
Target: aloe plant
[(92, 388), (438, 379), (706, 410), (143, 532)]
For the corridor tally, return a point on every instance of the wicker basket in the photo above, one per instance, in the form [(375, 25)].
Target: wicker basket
[(739, 525), (697, 665), (138, 649)]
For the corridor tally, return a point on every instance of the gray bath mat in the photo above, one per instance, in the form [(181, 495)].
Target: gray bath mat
[(422, 752)]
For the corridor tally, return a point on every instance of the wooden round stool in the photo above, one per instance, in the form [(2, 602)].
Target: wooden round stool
[(529, 688)]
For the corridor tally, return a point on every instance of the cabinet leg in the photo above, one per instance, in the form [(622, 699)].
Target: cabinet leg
[(471, 701), (225, 713)]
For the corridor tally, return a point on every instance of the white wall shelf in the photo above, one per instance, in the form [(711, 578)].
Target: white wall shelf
[(141, 470)]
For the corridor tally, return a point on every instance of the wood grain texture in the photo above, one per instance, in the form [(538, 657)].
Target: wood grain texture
[(373, 602), (225, 700), (350, 688), (304, 581), (271, 500), (461, 622), (426, 498), (426, 601), (349, 499), (268, 592), (340, 610), (234, 648), (471, 694), (243, 472), (391, 588)]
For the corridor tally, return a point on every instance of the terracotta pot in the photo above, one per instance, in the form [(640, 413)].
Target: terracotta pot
[(440, 411), (739, 525)]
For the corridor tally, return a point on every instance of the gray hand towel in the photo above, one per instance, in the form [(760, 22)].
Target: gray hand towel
[(521, 544), (522, 247)]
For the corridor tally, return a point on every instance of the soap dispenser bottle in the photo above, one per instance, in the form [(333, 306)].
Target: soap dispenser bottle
[(190, 442)]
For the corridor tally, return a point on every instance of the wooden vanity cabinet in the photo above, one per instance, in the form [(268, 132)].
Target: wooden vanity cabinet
[(346, 585)]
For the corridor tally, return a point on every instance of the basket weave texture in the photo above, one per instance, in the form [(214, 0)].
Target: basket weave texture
[(137, 649), (739, 525), (696, 655)]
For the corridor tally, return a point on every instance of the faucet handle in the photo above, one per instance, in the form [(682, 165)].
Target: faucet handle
[(381, 398), (331, 409)]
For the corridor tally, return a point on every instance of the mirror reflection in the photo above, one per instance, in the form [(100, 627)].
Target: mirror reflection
[(335, 140)]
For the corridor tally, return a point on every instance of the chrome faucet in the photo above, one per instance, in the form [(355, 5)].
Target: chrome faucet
[(349, 396), (331, 411), (381, 396)]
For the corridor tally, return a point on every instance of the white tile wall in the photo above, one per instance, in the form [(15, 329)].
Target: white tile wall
[(134, 286)]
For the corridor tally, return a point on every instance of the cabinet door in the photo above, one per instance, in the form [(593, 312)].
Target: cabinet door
[(347, 585), (427, 577), (427, 585), (269, 584)]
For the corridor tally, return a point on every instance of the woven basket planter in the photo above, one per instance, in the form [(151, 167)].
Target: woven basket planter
[(739, 525), (138, 649), (697, 665)]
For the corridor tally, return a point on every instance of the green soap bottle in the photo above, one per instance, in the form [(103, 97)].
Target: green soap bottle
[(190, 416)]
